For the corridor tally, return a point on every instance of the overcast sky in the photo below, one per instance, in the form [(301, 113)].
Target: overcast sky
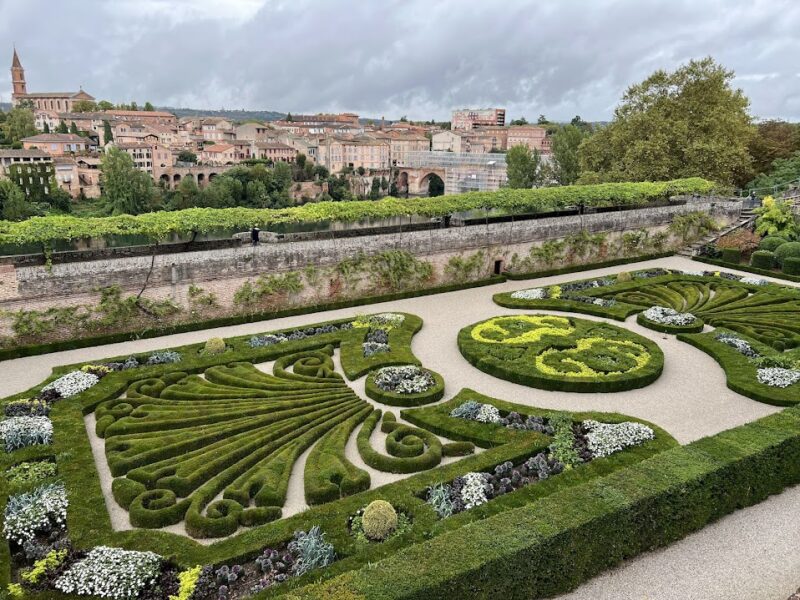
[(419, 58)]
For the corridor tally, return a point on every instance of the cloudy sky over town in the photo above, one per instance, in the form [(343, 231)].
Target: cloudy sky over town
[(419, 58)]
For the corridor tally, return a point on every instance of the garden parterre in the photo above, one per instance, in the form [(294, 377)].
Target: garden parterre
[(758, 337), (181, 434)]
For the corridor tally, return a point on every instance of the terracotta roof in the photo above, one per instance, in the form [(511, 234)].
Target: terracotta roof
[(218, 148), (276, 145), (53, 94), (55, 137), (32, 153)]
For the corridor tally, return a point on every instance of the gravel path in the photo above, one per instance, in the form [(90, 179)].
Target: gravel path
[(748, 555)]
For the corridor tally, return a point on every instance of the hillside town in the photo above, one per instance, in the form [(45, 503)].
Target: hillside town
[(74, 130)]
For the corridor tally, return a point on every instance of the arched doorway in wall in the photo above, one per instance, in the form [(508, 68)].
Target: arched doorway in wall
[(431, 185)]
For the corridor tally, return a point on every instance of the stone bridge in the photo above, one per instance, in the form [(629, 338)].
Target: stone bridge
[(171, 177), (460, 171)]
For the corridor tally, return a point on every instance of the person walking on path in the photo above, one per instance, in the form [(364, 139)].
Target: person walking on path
[(254, 233)]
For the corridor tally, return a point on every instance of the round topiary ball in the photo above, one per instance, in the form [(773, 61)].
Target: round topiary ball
[(771, 243), (762, 259), (214, 346), (379, 520), (623, 276), (786, 250)]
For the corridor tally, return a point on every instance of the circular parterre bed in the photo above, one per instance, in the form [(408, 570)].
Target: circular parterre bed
[(561, 353)]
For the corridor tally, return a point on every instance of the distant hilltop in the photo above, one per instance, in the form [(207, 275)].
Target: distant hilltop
[(234, 115)]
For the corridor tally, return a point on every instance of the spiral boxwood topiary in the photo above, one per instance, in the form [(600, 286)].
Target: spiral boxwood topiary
[(214, 346), (379, 520), (784, 251), (732, 255), (791, 266), (762, 259), (771, 243)]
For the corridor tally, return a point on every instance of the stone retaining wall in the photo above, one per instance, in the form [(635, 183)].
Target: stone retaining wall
[(172, 270)]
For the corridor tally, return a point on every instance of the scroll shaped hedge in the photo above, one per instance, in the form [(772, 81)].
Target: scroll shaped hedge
[(561, 353), (235, 431)]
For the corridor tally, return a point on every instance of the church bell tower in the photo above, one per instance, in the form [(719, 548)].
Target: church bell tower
[(17, 78)]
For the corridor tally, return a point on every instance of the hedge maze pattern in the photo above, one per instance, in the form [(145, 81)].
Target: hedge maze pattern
[(177, 442), (561, 353), (766, 315)]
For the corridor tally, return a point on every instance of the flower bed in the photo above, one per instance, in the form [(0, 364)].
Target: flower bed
[(111, 573), (561, 353), (38, 512), (668, 320), (406, 385), (19, 432)]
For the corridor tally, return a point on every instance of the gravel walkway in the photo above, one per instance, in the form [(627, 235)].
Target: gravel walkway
[(741, 557)]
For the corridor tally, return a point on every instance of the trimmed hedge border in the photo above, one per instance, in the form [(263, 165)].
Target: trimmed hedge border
[(101, 340), (696, 327), (586, 267), (575, 534), (430, 396), (747, 269)]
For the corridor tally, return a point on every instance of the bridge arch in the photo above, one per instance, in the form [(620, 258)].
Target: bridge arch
[(431, 185)]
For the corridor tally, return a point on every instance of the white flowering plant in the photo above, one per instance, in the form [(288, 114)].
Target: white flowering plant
[(604, 439), (473, 492), (111, 573), (407, 379), (488, 414), (741, 346), (754, 281), (72, 383), (778, 377), (39, 511), (530, 294), (19, 432), (668, 316)]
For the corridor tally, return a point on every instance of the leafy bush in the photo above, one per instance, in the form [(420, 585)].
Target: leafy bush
[(28, 472), (379, 520), (762, 259), (408, 379), (215, 345), (743, 240), (791, 265), (784, 251), (732, 255), (111, 573), (50, 562), (771, 243), (30, 407), (164, 357), (72, 383), (311, 550), (776, 219)]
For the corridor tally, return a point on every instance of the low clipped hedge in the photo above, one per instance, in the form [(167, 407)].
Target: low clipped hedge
[(695, 327), (784, 251), (762, 259), (791, 265), (769, 272), (732, 255), (434, 394), (575, 534)]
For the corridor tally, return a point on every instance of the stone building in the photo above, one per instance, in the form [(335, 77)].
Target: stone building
[(469, 118), (337, 153), (54, 101), (59, 144)]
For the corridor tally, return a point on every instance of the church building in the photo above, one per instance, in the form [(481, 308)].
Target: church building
[(53, 101)]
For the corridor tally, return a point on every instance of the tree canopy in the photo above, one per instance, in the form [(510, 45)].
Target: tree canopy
[(565, 143), (524, 167), (125, 189), (686, 123), (19, 124)]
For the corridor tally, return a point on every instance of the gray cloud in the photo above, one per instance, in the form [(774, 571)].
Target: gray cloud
[(420, 58)]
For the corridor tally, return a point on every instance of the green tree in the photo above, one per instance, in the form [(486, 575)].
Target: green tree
[(289, 117), (782, 172), (542, 120), (435, 186), (62, 127), (524, 167), (84, 106), (13, 205), (375, 190), (773, 139), (108, 135), (126, 189), (187, 195), (688, 123), (565, 143), (187, 156), (520, 121), (19, 124), (73, 128), (105, 105), (149, 107), (46, 128)]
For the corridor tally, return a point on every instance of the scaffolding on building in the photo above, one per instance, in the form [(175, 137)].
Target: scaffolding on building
[(464, 171)]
